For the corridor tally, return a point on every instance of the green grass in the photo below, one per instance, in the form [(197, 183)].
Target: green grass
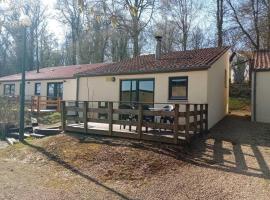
[(239, 103)]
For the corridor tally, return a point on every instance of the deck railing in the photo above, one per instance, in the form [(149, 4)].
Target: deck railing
[(39, 103), (187, 120)]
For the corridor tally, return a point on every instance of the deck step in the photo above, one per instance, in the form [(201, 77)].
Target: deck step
[(16, 135), (26, 129), (37, 135), (47, 132)]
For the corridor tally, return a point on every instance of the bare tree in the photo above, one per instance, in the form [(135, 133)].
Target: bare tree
[(135, 16), (183, 13), (71, 15), (246, 17), (219, 20)]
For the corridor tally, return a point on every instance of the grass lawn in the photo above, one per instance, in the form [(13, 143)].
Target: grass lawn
[(239, 103)]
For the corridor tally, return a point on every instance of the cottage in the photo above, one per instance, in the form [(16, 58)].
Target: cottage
[(261, 86), (196, 76), (52, 82)]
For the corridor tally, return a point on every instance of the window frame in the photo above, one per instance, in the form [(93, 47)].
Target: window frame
[(9, 89), (36, 94), (137, 88), (170, 97)]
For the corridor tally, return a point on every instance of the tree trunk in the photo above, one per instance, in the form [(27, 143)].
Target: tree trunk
[(74, 48), (219, 16)]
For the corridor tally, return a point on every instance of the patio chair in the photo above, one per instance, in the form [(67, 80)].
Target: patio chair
[(126, 117), (165, 119), (147, 118)]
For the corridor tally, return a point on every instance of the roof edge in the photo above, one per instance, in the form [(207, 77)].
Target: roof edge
[(203, 68)]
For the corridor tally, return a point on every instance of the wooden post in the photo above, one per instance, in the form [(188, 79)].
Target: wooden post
[(32, 103), (58, 104), (201, 118), (85, 116), (140, 121), (110, 117), (206, 118), (38, 104), (187, 122), (176, 122), (63, 115), (195, 118)]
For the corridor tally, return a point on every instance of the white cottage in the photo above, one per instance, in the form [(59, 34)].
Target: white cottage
[(196, 76)]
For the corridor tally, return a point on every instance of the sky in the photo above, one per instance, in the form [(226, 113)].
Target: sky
[(54, 26)]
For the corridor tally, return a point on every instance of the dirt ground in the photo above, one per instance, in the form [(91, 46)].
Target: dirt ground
[(232, 162)]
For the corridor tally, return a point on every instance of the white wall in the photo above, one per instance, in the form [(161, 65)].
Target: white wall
[(218, 92), (17, 87), (69, 88), (263, 97), (101, 88)]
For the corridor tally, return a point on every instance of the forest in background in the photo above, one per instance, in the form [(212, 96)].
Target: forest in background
[(112, 30)]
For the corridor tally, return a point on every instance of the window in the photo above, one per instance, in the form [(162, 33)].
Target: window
[(140, 90), (37, 88), (55, 90), (9, 89), (178, 88)]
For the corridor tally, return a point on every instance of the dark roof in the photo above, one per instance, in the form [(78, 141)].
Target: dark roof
[(261, 60), (50, 73), (200, 59)]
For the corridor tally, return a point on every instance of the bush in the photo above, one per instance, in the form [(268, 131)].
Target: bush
[(9, 110)]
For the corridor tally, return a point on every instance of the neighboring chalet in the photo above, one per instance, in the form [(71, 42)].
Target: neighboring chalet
[(51, 82), (196, 77), (261, 86)]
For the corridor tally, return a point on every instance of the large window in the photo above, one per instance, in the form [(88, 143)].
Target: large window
[(55, 90), (140, 90), (37, 88), (178, 88), (9, 89)]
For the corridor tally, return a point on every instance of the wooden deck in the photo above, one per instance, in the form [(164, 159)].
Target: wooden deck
[(84, 119)]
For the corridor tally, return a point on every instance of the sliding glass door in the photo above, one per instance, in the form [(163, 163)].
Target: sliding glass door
[(137, 90), (55, 90)]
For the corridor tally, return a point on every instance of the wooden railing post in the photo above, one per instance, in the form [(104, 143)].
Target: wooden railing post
[(187, 116), (201, 118), (63, 115), (32, 103), (195, 118), (176, 123), (206, 118), (58, 104), (140, 121), (110, 117), (85, 116), (38, 104)]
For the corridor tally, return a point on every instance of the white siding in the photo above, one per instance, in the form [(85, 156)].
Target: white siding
[(218, 93), (263, 97)]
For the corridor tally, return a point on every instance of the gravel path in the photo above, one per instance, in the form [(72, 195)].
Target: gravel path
[(232, 162), (3, 144)]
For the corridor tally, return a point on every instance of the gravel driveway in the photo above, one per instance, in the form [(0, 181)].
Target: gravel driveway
[(3, 144), (232, 162)]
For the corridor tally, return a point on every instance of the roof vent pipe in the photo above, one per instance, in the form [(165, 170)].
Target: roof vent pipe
[(158, 46)]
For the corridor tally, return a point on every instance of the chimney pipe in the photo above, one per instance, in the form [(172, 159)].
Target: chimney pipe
[(158, 46)]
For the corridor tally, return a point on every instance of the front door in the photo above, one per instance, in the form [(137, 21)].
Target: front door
[(54, 91)]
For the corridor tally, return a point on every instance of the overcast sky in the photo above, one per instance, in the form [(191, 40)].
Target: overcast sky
[(54, 26)]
